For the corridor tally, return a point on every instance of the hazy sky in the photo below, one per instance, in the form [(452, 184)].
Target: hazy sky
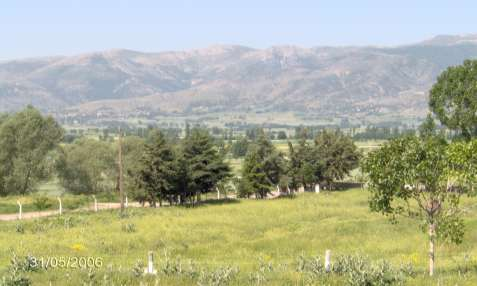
[(62, 27)]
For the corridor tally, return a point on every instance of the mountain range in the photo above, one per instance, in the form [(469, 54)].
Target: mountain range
[(325, 81)]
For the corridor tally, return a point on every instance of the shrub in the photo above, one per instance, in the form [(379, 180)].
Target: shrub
[(129, 228), (42, 203), (217, 277), (19, 228), (16, 272), (357, 270)]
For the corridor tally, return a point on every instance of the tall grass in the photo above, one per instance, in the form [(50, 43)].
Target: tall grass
[(241, 235)]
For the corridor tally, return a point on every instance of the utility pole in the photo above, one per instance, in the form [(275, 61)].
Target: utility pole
[(120, 166)]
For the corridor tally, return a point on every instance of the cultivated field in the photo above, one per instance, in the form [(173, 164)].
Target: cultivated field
[(244, 242)]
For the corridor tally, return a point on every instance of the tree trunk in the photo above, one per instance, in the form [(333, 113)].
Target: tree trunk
[(432, 235)]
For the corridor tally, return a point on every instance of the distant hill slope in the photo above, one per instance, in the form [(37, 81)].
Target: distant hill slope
[(328, 81)]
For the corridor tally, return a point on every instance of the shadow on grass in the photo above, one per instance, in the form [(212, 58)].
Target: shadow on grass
[(213, 203), (342, 187)]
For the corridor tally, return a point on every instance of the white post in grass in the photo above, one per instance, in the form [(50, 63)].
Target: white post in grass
[(126, 202), (288, 189), (150, 264), (60, 210), (278, 189), (317, 188), (19, 210), (218, 193), (328, 260), (95, 203)]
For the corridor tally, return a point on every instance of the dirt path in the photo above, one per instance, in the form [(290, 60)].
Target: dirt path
[(32, 215), (101, 206)]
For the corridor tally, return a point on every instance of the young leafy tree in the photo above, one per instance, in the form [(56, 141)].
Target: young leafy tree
[(423, 179), (26, 140), (453, 98), (205, 165), (337, 154), (159, 174)]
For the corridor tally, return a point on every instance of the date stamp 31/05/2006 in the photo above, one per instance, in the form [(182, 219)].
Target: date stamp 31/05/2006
[(66, 262)]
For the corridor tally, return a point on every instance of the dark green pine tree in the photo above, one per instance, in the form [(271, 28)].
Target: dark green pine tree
[(304, 166), (263, 167), (160, 170), (254, 176), (293, 168), (273, 161), (338, 154), (205, 165)]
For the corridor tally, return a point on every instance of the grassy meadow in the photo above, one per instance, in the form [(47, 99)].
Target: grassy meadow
[(250, 242)]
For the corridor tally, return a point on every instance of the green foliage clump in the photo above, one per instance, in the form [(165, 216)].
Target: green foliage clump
[(16, 273), (27, 143), (262, 169), (355, 270), (42, 203), (87, 167), (203, 165), (158, 176), (183, 172), (338, 155), (453, 98)]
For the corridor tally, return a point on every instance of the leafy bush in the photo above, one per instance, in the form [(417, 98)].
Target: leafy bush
[(42, 203), (217, 277), (138, 268), (16, 272), (19, 228), (357, 270)]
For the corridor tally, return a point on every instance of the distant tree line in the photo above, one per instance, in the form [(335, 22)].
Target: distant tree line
[(162, 166), (157, 168)]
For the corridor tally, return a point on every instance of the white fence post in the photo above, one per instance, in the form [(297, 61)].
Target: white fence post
[(328, 260), (60, 206), (19, 210), (126, 202), (218, 193), (317, 188), (95, 203), (150, 264)]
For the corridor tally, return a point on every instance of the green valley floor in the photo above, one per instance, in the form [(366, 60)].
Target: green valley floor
[(232, 242)]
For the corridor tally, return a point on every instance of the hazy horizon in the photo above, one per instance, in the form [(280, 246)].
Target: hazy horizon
[(64, 28)]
